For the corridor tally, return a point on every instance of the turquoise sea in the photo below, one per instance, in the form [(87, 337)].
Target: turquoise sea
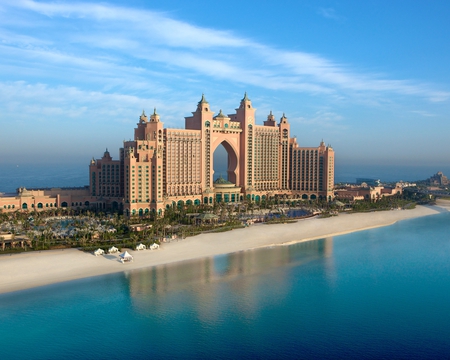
[(13, 176), (377, 294)]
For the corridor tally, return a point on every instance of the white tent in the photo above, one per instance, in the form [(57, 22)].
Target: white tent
[(99, 252), (141, 247), (154, 246), (113, 250), (125, 257)]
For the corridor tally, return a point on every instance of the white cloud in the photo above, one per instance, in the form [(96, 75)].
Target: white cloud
[(423, 113), (330, 13), (322, 118), (118, 47)]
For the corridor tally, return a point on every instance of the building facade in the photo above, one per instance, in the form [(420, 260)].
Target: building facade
[(164, 167)]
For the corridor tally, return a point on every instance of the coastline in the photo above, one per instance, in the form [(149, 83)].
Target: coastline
[(34, 269)]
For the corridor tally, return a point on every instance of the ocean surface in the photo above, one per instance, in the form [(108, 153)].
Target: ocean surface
[(13, 176), (377, 294)]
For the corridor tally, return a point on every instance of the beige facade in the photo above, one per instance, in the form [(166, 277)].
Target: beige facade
[(372, 193), (47, 199), (165, 167)]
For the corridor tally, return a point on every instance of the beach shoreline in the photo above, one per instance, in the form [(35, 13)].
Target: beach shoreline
[(34, 269)]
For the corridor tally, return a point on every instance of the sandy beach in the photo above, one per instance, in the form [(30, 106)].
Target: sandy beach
[(28, 270)]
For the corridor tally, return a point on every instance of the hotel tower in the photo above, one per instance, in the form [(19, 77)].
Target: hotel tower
[(164, 167)]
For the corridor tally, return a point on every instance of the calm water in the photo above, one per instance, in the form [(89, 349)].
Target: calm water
[(382, 293), (54, 175)]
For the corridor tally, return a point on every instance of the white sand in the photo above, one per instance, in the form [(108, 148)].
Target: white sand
[(27, 270)]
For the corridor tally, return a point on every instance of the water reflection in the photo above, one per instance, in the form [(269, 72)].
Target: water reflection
[(207, 281)]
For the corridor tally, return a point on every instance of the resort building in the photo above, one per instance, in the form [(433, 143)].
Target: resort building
[(163, 167), (46, 199), (438, 179), (365, 192)]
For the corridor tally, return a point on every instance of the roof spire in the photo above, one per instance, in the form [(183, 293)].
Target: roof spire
[(245, 97), (203, 100)]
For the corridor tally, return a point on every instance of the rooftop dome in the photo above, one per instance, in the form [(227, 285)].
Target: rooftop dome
[(222, 181)]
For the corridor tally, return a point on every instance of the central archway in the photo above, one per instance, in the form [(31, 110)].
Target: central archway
[(224, 152)]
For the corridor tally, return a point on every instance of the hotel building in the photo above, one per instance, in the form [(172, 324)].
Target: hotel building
[(164, 167)]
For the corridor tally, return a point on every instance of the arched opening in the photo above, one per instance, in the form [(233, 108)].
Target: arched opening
[(313, 197), (64, 204), (24, 206), (305, 197), (225, 162), (196, 202), (39, 205), (115, 205), (141, 212), (86, 203)]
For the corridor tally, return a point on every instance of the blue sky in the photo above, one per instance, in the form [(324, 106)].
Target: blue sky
[(371, 78)]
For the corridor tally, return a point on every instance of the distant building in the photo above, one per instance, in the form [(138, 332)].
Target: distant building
[(368, 182), (438, 179), (354, 193)]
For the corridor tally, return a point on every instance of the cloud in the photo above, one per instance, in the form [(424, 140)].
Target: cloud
[(330, 13), (42, 103), (423, 113), (114, 47), (323, 118)]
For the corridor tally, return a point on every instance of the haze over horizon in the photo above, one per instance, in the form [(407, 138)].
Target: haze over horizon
[(372, 80)]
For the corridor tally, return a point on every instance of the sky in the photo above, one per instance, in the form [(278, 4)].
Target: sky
[(370, 78)]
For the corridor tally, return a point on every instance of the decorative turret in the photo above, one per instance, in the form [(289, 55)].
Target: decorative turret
[(283, 119), (220, 115), (201, 117), (143, 117), (203, 104), (203, 100), (154, 117), (106, 155), (245, 102), (270, 120)]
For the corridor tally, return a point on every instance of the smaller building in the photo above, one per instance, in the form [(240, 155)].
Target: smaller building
[(226, 191), (368, 182), (372, 193), (46, 199), (438, 179)]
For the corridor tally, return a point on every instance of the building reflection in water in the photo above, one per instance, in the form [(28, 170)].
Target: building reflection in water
[(205, 283)]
